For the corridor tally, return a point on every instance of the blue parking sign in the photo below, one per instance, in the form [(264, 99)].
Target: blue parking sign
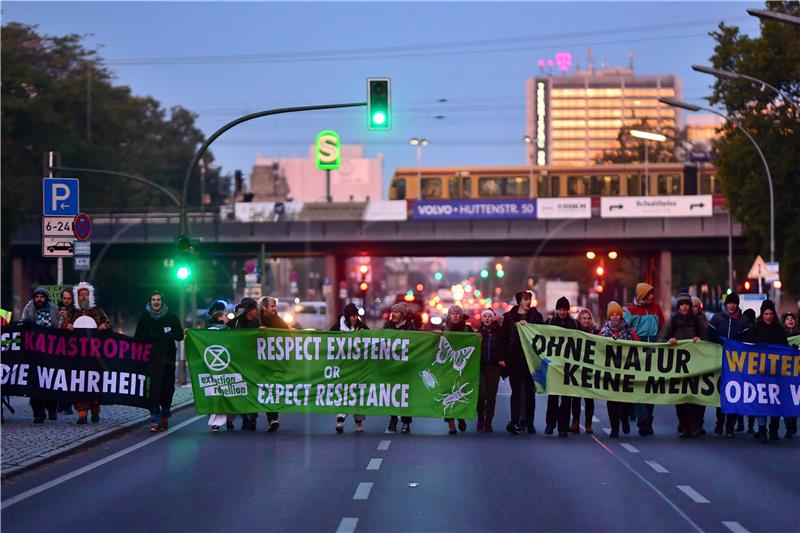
[(60, 197)]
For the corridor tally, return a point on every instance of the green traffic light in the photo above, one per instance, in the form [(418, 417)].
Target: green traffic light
[(484, 273), (438, 276), (183, 273), (379, 104), (500, 273), (378, 118)]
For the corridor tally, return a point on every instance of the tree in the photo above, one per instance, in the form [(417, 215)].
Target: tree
[(773, 56)]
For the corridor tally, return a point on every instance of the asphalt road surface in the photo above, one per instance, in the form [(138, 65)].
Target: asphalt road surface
[(307, 478)]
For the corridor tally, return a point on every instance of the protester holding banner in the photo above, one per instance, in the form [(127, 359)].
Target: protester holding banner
[(522, 387), (217, 319), (349, 321), (559, 407), (685, 325), (492, 365), (617, 328), (455, 322), (65, 306), (645, 316), (585, 323), (268, 313), (399, 319), (250, 318), (730, 323), (42, 312), (156, 324)]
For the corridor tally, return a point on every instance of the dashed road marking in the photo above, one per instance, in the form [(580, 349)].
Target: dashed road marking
[(384, 445), (374, 463), (347, 525), (693, 494), (362, 491), (736, 527), (657, 467), (630, 447)]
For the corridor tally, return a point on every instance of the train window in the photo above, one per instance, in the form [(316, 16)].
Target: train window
[(510, 186), (467, 187), (431, 187), (455, 191), (577, 185), (635, 184), (605, 185), (399, 187), (669, 184), (710, 184)]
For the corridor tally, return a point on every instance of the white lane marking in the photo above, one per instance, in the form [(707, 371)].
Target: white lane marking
[(91, 466), (657, 467), (374, 463), (693, 494), (595, 419), (347, 525), (362, 491), (630, 447), (607, 430), (384, 445), (736, 527)]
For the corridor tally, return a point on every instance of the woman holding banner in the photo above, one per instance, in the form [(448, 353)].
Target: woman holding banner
[(616, 328), (586, 324), (769, 331)]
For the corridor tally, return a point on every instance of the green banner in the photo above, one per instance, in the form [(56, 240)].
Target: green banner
[(574, 363), (795, 341), (370, 372)]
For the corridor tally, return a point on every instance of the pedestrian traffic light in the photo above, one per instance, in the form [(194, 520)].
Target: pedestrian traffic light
[(379, 95), (484, 273)]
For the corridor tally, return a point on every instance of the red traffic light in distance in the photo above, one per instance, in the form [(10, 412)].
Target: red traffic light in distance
[(363, 269), (747, 285), (363, 286), (600, 271)]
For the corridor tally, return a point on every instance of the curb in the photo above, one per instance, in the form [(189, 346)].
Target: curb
[(100, 436)]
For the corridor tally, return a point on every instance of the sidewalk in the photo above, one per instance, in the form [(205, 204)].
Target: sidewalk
[(25, 444)]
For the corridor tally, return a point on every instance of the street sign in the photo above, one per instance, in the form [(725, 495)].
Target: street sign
[(82, 248), (57, 226), (56, 247), (700, 157), (759, 269), (81, 263), (473, 209), (82, 226), (551, 208), (328, 150), (60, 197), (700, 205)]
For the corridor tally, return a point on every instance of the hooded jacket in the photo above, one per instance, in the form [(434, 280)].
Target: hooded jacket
[(29, 314), (566, 323), (768, 334), (646, 319), (512, 345), (725, 325), (491, 344), (166, 329)]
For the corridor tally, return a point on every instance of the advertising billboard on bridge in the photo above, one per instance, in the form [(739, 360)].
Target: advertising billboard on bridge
[(700, 205), (473, 209)]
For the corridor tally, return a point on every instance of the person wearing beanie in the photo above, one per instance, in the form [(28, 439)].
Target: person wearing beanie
[(769, 331), (217, 319), (399, 319), (523, 391), (646, 317), (587, 325), (616, 328), (492, 366), (349, 321), (685, 325), (558, 407), (456, 321), (41, 312), (730, 323), (249, 318), (158, 325)]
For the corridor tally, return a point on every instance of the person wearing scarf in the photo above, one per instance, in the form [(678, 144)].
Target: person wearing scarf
[(158, 325), (349, 321), (617, 329)]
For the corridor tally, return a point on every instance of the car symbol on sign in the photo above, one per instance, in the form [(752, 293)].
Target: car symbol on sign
[(60, 246)]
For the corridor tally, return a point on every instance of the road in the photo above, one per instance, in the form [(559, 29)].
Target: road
[(307, 478)]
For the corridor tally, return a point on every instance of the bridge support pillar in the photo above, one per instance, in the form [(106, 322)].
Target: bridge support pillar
[(657, 270), (335, 271)]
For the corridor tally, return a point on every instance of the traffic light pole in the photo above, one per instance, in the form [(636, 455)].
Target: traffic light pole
[(184, 229)]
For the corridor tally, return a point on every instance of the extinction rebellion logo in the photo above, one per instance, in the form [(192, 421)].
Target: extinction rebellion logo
[(217, 359)]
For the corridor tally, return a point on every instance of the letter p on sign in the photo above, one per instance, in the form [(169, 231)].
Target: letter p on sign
[(328, 150), (60, 197)]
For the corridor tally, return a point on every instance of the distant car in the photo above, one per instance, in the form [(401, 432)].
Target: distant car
[(312, 315), (286, 312), (60, 246)]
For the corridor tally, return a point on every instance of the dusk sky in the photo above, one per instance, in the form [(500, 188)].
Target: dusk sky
[(222, 60)]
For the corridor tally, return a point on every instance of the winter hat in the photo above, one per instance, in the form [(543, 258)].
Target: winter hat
[(487, 312), (217, 307), (43, 291), (83, 285), (642, 290), (697, 302), (684, 298), (751, 314), (562, 303), (455, 308), (613, 307), (732, 298), (787, 314), (248, 304), (350, 310), (767, 304), (401, 307)]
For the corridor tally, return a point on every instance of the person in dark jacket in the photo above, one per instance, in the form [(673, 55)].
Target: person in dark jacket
[(157, 325), (523, 391), (586, 324), (349, 321), (681, 326), (399, 319), (268, 313), (769, 331), (492, 365), (456, 322), (558, 407), (616, 328), (249, 318), (729, 323), (65, 306), (217, 319), (44, 313)]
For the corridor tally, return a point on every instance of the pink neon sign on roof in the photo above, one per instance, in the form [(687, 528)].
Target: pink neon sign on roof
[(563, 60)]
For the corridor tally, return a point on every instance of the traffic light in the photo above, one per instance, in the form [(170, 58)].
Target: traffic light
[(500, 273), (747, 285), (363, 286), (183, 272), (484, 273), (600, 271), (379, 96), (438, 276)]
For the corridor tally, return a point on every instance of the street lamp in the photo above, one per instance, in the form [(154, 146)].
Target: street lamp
[(766, 14), (647, 136), (419, 143), (736, 76), (694, 108)]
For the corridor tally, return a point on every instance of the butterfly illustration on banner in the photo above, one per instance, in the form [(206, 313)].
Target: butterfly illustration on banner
[(446, 353)]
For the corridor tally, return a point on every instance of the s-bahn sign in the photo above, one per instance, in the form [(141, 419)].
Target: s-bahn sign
[(328, 150), (472, 209), (656, 206)]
